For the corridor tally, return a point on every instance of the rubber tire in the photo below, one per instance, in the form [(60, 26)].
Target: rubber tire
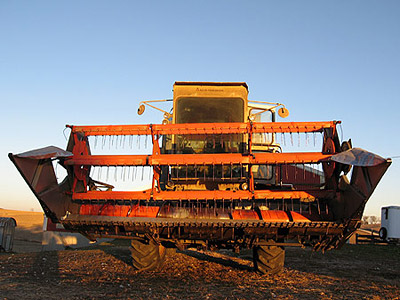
[(268, 259), (147, 255), (383, 233)]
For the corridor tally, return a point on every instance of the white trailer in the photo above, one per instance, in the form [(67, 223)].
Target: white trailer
[(390, 223)]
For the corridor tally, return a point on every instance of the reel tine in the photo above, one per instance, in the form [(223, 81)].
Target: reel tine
[(91, 171), (298, 136), (99, 173)]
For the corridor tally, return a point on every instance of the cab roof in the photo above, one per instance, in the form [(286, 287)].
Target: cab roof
[(202, 83)]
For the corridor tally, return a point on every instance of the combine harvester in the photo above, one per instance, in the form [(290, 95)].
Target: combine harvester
[(220, 179)]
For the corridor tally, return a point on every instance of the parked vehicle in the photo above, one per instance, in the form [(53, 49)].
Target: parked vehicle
[(220, 178)]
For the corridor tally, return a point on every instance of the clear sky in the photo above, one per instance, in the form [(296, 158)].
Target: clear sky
[(92, 62)]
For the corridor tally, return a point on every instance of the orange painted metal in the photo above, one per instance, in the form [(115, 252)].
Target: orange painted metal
[(287, 127), (197, 159), (244, 214), (274, 215), (204, 128), (298, 217), (81, 160), (112, 195), (144, 211), (109, 160), (202, 195), (111, 130), (310, 194), (152, 211), (119, 210)]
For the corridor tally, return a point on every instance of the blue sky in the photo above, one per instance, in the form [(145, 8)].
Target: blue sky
[(92, 62)]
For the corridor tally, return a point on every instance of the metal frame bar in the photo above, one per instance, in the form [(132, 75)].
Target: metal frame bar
[(204, 128), (198, 159), (202, 195)]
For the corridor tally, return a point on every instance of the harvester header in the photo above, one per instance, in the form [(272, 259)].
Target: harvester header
[(221, 173)]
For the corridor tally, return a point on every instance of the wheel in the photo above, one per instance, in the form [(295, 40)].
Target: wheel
[(383, 233), (147, 255), (268, 259)]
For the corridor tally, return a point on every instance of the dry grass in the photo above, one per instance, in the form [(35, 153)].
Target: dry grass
[(29, 230)]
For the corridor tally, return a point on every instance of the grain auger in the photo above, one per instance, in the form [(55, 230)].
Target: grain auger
[(219, 172)]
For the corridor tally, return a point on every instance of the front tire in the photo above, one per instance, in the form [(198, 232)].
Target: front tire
[(147, 255), (268, 259)]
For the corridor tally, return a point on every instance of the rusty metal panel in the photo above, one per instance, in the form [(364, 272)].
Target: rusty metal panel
[(46, 152), (39, 174), (358, 157)]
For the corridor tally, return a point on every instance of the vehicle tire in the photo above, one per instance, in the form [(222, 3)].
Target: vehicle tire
[(268, 259), (147, 255), (383, 233)]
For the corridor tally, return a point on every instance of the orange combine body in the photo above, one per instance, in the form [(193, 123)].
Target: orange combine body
[(223, 175)]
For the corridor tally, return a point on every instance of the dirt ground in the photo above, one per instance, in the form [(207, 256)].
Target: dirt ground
[(355, 272), (104, 272)]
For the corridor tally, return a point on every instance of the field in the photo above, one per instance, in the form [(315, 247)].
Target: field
[(104, 271), (28, 233)]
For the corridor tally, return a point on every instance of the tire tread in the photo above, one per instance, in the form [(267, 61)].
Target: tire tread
[(268, 259)]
